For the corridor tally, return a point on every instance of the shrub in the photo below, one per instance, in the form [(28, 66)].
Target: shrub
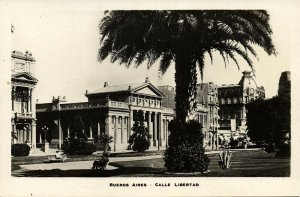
[(233, 142), (78, 147), (20, 150), (270, 148), (140, 139), (104, 140), (284, 150), (186, 152)]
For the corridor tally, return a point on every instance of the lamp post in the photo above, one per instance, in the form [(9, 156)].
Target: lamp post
[(45, 129)]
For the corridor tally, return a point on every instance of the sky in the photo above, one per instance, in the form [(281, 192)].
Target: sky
[(64, 40)]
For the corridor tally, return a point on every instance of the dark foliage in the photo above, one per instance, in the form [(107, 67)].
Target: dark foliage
[(185, 152), (78, 147), (269, 120), (270, 148), (140, 139), (104, 140), (234, 142), (20, 150), (284, 150)]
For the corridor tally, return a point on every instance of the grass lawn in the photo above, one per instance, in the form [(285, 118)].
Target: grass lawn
[(250, 163), (244, 164)]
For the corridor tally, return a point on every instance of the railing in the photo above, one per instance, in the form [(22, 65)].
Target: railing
[(168, 110), (117, 104), (22, 115), (97, 104)]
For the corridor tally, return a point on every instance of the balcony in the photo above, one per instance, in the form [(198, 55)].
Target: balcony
[(21, 115)]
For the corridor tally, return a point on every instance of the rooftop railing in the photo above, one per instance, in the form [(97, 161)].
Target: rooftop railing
[(96, 104)]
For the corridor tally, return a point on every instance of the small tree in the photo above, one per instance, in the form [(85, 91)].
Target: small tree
[(140, 139), (104, 140)]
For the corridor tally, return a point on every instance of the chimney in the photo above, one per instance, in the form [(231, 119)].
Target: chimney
[(105, 84), (86, 91), (129, 87)]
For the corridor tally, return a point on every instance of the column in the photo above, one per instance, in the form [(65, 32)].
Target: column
[(29, 108), (33, 106), (167, 132), (108, 125), (33, 134), (122, 129), (29, 135), (150, 128), (145, 122), (31, 101), (25, 135), (98, 128), (68, 131), (59, 134), (130, 124), (40, 140), (91, 131), (155, 129), (13, 100), (115, 133), (160, 129), (15, 130)]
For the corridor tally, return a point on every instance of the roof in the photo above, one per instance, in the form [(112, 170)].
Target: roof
[(229, 86), (24, 76), (130, 88), (20, 55)]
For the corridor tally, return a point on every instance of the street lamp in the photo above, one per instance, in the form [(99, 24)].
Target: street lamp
[(45, 129)]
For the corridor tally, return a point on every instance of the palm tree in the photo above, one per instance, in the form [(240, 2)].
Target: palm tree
[(183, 37)]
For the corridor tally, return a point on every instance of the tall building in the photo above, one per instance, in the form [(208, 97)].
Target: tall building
[(109, 110), (23, 82), (284, 88), (207, 95), (232, 101), (169, 99)]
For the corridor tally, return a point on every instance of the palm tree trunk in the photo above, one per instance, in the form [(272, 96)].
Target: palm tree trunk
[(186, 80)]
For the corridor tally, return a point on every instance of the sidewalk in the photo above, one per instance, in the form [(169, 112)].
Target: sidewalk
[(78, 165)]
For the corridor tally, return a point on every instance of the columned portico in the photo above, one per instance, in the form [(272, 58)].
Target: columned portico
[(114, 112)]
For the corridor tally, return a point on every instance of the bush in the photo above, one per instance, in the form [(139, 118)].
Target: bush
[(78, 147), (284, 150), (186, 152), (104, 140), (20, 150), (140, 139), (270, 148), (233, 142)]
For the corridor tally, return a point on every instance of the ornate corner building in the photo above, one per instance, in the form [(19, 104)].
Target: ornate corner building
[(233, 99), (23, 82)]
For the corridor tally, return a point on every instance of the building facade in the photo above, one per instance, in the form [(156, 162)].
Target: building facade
[(206, 111), (23, 83), (207, 95), (232, 101), (109, 110)]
